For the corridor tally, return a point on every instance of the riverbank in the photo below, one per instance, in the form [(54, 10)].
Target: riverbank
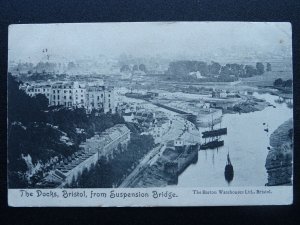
[(251, 104), (279, 159), (247, 141)]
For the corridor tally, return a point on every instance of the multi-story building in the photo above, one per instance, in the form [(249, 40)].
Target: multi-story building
[(98, 97), (62, 94), (79, 94), (109, 100), (95, 97), (75, 94), (44, 89)]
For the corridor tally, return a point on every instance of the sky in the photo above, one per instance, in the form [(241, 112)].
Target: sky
[(77, 40)]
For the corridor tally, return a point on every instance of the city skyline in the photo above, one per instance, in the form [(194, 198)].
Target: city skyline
[(167, 39)]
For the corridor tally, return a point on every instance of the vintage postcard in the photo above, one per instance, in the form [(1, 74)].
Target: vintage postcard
[(150, 114)]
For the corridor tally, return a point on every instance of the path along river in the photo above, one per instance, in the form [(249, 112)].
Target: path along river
[(247, 144)]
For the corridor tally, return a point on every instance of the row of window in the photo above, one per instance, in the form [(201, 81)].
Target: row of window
[(65, 97), (66, 91), (64, 87), (58, 91), (57, 97), (32, 94), (93, 104), (92, 96), (66, 103), (54, 91), (38, 90), (77, 103), (70, 96)]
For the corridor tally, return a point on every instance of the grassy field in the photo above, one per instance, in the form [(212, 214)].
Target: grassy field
[(282, 69), (267, 78)]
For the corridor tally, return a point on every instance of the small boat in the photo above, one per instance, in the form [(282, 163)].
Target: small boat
[(229, 173), (213, 135), (266, 129)]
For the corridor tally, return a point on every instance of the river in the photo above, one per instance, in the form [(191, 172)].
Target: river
[(247, 144)]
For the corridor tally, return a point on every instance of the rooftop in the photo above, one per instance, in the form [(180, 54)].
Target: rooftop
[(104, 139)]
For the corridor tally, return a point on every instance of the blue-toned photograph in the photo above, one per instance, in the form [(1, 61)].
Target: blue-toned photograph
[(149, 105)]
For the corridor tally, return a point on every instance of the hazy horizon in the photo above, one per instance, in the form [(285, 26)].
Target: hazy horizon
[(79, 40)]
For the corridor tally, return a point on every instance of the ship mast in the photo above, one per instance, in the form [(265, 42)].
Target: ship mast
[(228, 158), (212, 126)]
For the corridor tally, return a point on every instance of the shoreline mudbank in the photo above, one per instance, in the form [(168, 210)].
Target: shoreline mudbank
[(251, 105)]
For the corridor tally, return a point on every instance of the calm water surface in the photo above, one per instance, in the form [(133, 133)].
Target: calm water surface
[(247, 144)]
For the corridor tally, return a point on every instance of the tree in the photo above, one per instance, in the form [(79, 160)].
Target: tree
[(250, 71), (135, 68), (31, 131), (202, 67), (73, 183), (278, 82), (269, 68), (225, 70), (71, 65), (83, 178), (178, 69), (109, 173), (214, 68), (22, 107), (291, 133), (260, 68), (41, 101), (142, 67), (16, 180), (125, 68), (287, 83)]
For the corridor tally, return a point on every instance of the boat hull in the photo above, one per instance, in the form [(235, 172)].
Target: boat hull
[(229, 172), (212, 145), (214, 133)]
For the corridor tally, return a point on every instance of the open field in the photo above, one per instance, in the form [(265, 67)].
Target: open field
[(267, 78)]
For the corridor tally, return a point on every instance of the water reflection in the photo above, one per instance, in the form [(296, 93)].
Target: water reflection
[(248, 143)]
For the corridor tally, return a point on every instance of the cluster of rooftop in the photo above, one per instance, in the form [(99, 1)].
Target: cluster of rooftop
[(90, 152)]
